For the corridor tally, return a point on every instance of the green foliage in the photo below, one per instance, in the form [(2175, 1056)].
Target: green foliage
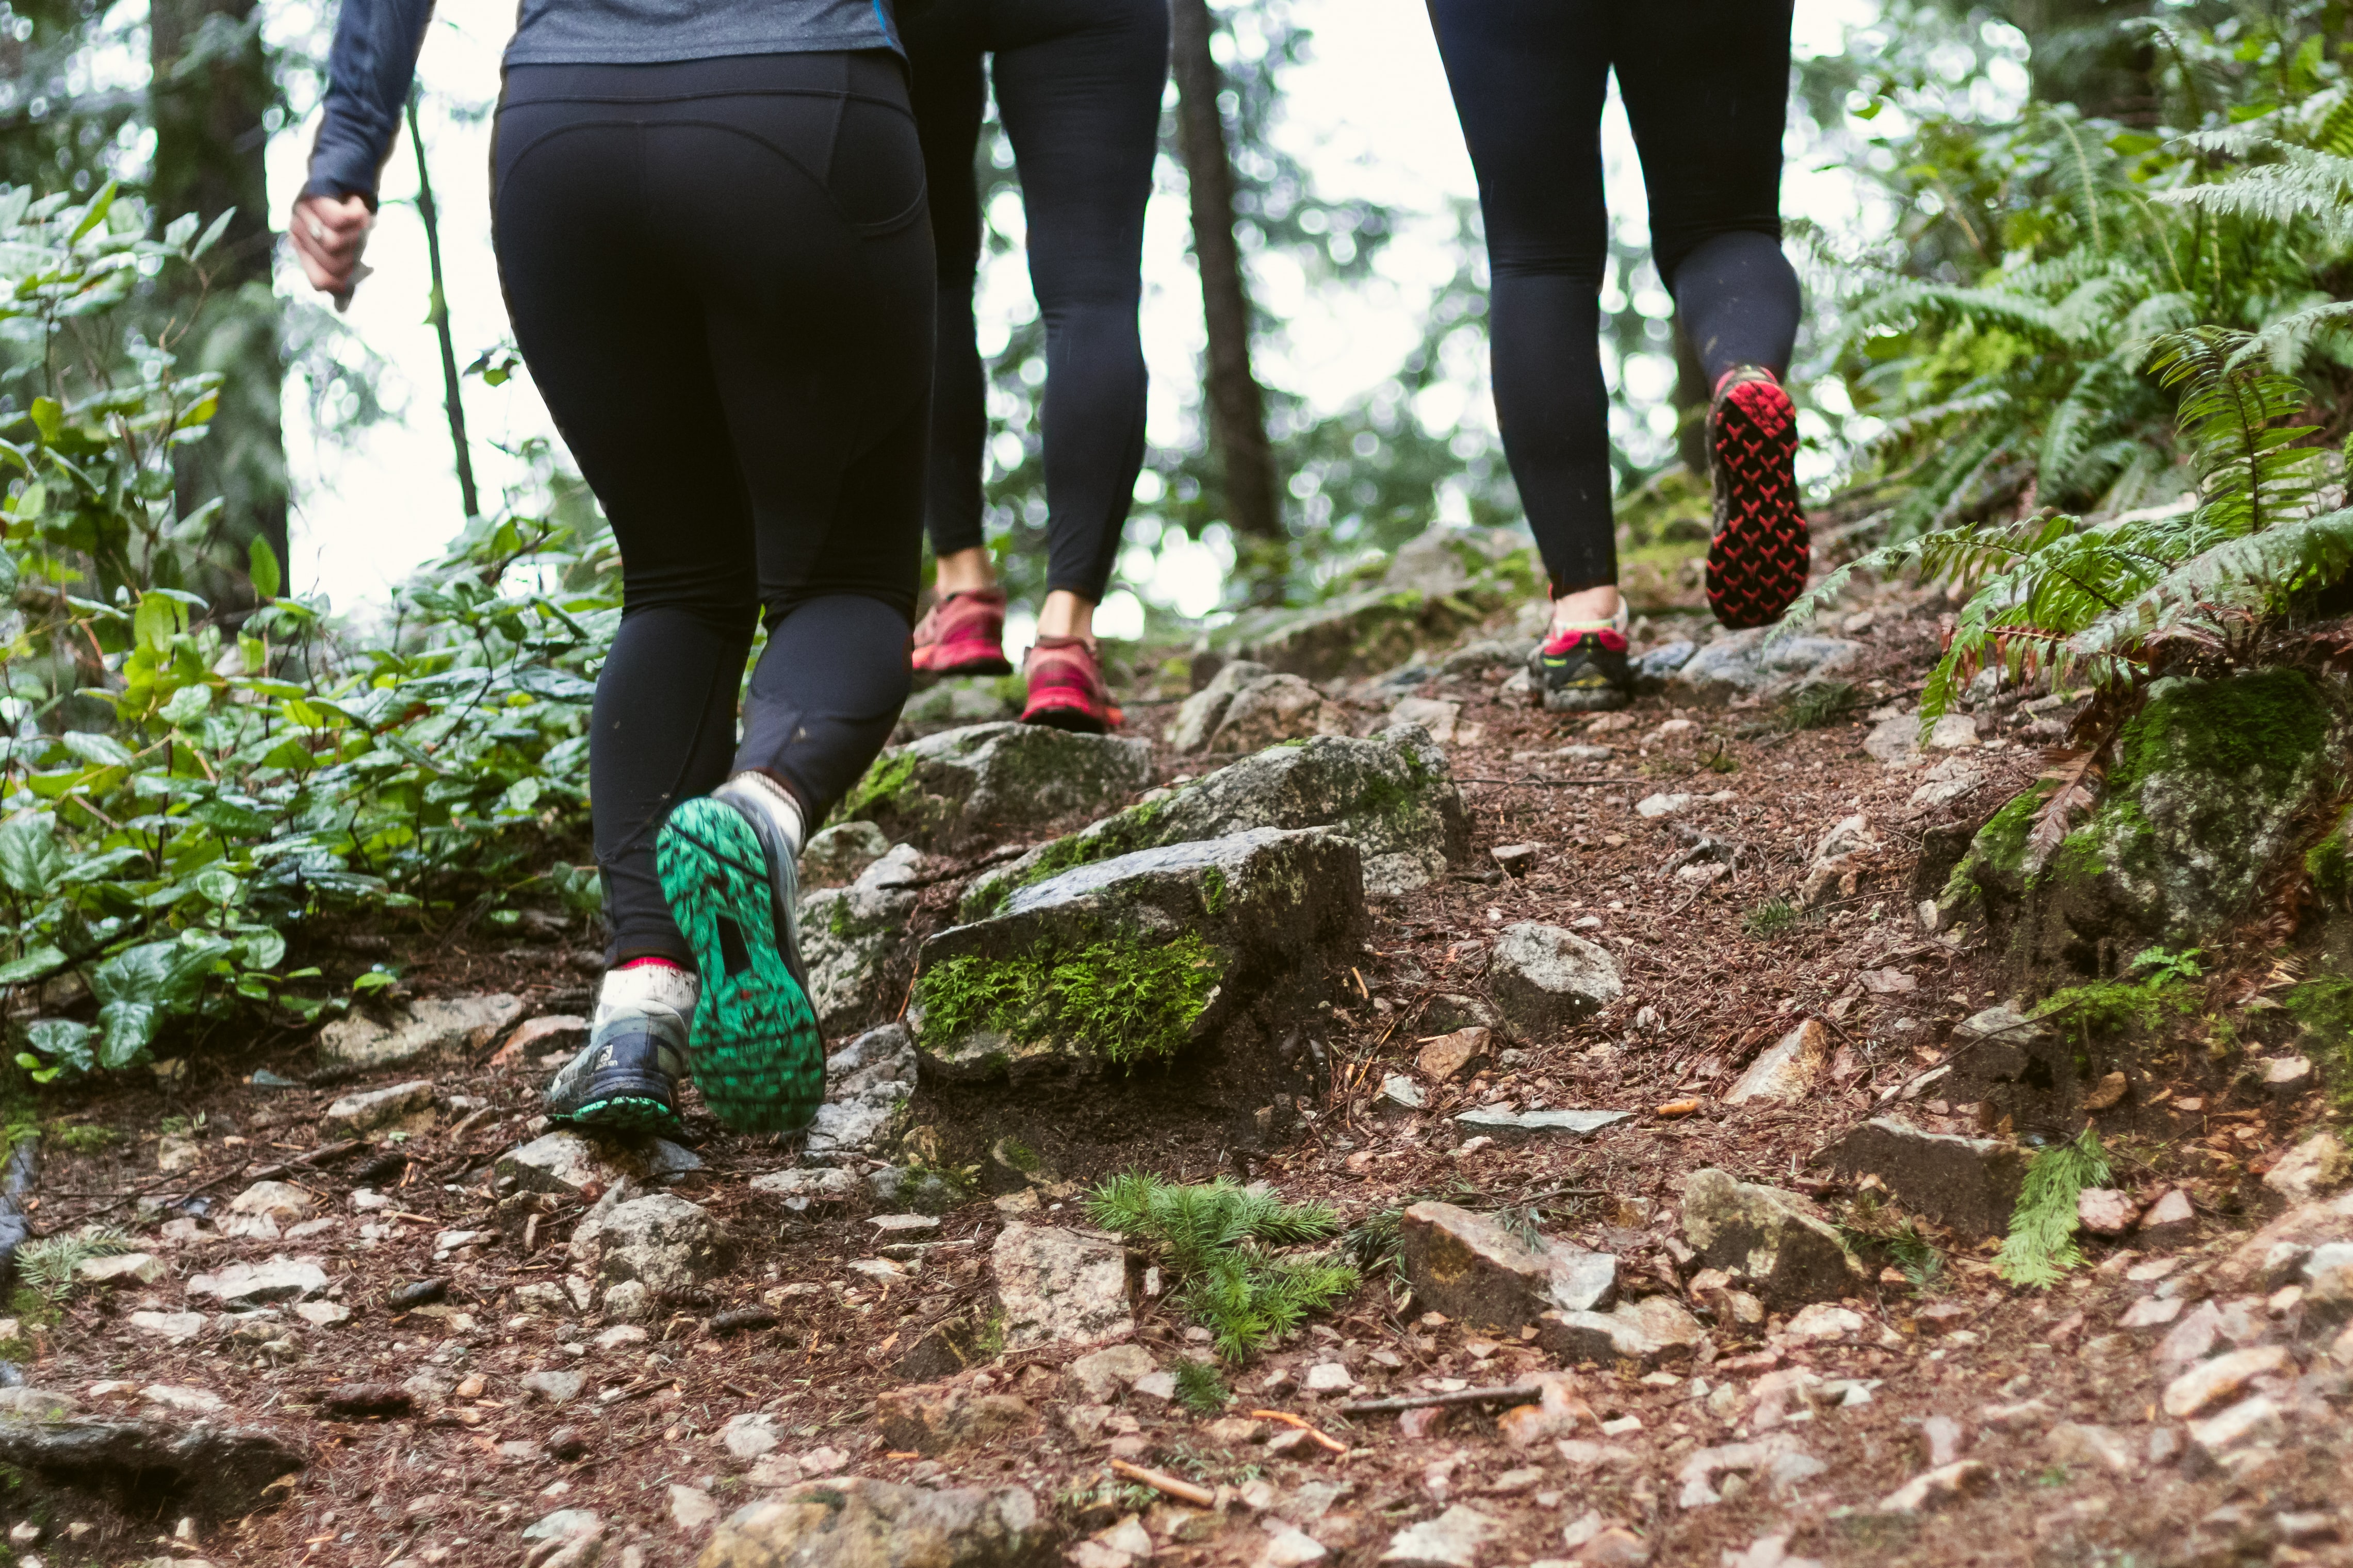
[(1819, 704), (45, 1265), (1219, 1239), (1201, 1388), (1122, 833), (181, 783), (2323, 1008), (2041, 1242), (1129, 1001), (2123, 600), (2155, 984), (78, 1137), (1773, 918)]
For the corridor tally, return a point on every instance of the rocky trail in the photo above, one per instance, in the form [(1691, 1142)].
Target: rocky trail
[(1673, 1104)]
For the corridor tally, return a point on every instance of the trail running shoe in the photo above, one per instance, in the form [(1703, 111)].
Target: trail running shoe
[(754, 1043), (1759, 557), (963, 634), (625, 1079), (1583, 668), (1066, 687)]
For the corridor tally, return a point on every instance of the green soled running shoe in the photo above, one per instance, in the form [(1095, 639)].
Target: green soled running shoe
[(757, 1053)]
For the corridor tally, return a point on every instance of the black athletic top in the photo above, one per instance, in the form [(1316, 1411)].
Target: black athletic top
[(374, 57)]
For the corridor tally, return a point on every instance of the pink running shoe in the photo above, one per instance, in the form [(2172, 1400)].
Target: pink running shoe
[(1066, 687), (963, 633)]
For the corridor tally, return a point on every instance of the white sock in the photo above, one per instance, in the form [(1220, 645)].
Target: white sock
[(644, 986), (758, 792)]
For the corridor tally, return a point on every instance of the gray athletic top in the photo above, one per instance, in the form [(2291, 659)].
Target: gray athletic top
[(374, 58)]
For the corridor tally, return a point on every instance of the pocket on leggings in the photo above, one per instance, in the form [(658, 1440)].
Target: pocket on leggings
[(877, 178)]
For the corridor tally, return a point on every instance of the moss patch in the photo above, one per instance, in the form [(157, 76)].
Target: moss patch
[(1122, 833), (880, 788), (2324, 1006), (1129, 1001), (2329, 864)]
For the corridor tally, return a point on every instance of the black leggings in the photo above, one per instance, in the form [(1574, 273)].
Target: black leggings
[(720, 272), (1706, 86), (1078, 87)]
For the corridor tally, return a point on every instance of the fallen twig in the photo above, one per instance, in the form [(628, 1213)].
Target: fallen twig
[(1184, 1491), (1518, 1393), (1328, 1441), (1554, 784)]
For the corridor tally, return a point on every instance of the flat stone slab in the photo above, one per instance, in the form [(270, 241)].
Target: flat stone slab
[(1970, 1183), (427, 1028), (1512, 1126), (1060, 1286), (254, 1284), (1471, 1268)]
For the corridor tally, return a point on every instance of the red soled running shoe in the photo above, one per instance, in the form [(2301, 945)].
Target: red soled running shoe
[(963, 634), (1066, 687), (1759, 557)]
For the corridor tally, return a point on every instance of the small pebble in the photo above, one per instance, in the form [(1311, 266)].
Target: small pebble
[(417, 1293)]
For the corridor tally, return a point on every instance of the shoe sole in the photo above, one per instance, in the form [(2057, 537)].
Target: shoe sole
[(995, 664), (625, 1114), (1762, 549), (1067, 716), (1587, 700), (754, 1043)]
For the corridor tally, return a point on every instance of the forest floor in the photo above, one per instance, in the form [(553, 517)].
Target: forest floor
[(1956, 1366)]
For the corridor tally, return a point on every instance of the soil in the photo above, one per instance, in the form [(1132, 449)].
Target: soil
[(1713, 973)]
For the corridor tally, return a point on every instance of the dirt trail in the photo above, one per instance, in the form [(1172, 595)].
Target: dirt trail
[(499, 1402)]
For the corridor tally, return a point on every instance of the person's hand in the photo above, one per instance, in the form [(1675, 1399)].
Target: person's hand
[(329, 233)]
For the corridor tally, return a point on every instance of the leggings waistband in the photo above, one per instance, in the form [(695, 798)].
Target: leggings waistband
[(876, 74)]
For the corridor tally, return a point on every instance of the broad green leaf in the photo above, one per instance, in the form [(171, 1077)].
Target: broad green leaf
[(48, 418), (95, 213), (258, 947), (212, 232), (218, 886), (38, 963), (188, 706), (61, 1041), (167, 974), (125, 1030), (156, 621), (262, 567), (31, 861), (102, 750)]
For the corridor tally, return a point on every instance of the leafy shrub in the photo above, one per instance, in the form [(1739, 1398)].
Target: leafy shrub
[(2041, 1242), (184, 783)]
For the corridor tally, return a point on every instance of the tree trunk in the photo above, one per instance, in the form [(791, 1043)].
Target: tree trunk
[(1236, 406), (210, 87), (452, 403)]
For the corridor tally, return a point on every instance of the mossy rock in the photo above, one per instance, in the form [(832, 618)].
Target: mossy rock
[(852, 940), (1132, 961), (2212, 782), (949, 790), (1391, 795), (960, 702)]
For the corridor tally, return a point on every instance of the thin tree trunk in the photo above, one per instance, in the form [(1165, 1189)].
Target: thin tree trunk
[(440, 316), (1237, 405), (210, 138)]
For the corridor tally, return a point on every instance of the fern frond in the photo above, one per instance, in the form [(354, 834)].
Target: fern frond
[(2304, 186), (2255, 574), (2041, 1242)]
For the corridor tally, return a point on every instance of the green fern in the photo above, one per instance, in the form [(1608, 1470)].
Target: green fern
[(1200, 1388), (2041, 1246), (46, 1265), (1219, 1239)]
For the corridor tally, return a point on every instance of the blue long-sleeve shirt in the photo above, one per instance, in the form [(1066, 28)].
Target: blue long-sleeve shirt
[(374, 58)]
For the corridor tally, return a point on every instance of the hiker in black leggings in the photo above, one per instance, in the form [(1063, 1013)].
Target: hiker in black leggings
[(719, 268), (1705, 84), (1078, 88)]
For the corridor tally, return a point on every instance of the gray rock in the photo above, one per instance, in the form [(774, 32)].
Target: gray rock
[(211, 1471), (1787, 1072), (1199, 716), (1778, 1242), (371, 1108), (572, 1165), (554, 1387), (1970, 1183), (661, 1243), (841, 853), (1655, 667), (816, 1185), (2021, 1068), (37, 1405), (878, 1061), (1391, 795), (1203, 932), (989, 780), (1896, 740), (1515, 1126), (860, 1522), (1471, 1268), (850, 938), (1455, 1539), (1445, 558), (1542, 978), (1751, 664), (565, 1524), (1060, 1287), (1098, 1378), (960, 702), (1780, 1460), (1267, 712), (426, 1027), (1940, 1488), (2092, 1447), (252, 1284), (1652, 1329)]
